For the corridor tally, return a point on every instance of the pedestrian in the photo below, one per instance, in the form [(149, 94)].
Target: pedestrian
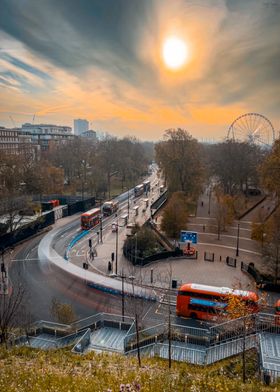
[(202, 204), (109, 266)]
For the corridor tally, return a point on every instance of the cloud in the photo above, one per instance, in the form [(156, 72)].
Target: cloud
[(102, 60)]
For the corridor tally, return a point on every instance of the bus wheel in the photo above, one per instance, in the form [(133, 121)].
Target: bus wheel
[(193, 315)]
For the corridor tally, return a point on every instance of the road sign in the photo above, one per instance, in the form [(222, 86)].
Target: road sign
[(188, 236)]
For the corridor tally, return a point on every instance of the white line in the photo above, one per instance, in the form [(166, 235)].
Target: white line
[(231, 227), (230, 247), (226, 235)]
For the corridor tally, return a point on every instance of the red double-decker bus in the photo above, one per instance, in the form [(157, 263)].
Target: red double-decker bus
[(90, 218), (206, 302)]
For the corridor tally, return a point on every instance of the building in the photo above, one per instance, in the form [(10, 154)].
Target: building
[(80, 126), (12, 141), (90, 134), (45, 135)]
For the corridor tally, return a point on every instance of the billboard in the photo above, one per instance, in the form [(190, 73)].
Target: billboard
[(188, 236)]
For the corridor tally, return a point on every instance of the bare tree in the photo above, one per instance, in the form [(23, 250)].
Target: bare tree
[(62, 312), (12, 298)]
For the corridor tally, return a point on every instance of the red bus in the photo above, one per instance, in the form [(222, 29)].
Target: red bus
[(90, 218), (205, 302)]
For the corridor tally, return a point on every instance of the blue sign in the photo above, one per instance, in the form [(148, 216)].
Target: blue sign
[(188, 236)]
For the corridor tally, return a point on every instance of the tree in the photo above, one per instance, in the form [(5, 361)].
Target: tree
[(11, 303), (62, 312), (270, 170), (224, 210), (142, 243), (175, 215), (179, 158), (235, 164), (13, 210), (271, 241)]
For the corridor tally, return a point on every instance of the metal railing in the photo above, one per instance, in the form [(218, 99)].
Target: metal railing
[(178, 353), (83, 342), (230, 348)]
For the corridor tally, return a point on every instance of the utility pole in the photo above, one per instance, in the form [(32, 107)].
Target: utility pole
[(123, 277), (210, 190), (117, 240), (128, 203), (101, 228)]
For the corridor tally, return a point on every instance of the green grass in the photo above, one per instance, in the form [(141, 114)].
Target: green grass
[(25, 370)]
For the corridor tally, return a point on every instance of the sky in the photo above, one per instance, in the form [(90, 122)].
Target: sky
[(102, 60)]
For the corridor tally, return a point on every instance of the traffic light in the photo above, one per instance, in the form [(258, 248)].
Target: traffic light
[(112, 256), (89, 243)]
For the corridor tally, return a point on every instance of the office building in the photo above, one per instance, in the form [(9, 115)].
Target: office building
[(80, 126)]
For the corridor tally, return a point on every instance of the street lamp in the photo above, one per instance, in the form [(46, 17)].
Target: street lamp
[(128, 204), (237, 242), (101, 228), (210, 190), (122, 278)]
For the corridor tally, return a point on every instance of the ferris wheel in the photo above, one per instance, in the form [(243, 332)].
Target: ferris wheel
[(253, 128)]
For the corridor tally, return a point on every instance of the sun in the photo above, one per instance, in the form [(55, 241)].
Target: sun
[(175, 53)]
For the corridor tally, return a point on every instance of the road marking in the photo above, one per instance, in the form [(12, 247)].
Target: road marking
[(233, 227), (230, 247), (226, 235)]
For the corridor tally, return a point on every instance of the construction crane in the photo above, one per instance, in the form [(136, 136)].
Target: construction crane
[(13, 122)]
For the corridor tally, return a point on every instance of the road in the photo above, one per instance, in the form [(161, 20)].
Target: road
[(43, 282)]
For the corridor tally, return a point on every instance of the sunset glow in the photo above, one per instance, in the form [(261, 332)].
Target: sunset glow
[(139, 73)]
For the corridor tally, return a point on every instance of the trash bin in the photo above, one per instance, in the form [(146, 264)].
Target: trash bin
[(174, 284)]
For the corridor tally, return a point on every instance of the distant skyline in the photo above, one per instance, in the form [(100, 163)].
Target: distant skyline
[(105, 61)]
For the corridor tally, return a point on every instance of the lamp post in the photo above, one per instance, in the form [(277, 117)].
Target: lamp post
[(101, 228), (128, 204), (210, 190), (237, 242), (117, 240), (123, 277)]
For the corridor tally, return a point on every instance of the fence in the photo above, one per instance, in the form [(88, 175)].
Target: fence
[(260, 279), (179, 333), (45, 220), (83, 342), (159, 203), (20, 234)]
